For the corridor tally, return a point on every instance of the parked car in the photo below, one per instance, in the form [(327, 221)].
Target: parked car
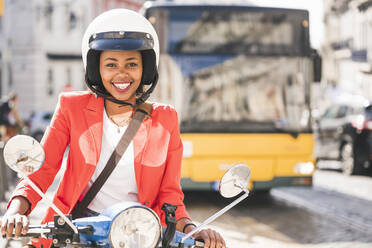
[(38, 122), (343, 133)]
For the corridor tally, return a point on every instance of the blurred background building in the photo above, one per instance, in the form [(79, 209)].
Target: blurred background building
[(40, 43), (347, 48)]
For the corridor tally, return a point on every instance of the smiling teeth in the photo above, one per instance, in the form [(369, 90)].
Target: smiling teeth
[(122, 86)]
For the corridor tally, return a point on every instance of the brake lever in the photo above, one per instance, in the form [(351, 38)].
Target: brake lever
[(199, 244), (171, 221), (35, 231)]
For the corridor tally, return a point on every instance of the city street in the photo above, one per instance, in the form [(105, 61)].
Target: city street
[(336, 212), (272, 84)]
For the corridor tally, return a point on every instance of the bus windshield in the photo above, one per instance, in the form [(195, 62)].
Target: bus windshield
[(255, 31), (243, 69)]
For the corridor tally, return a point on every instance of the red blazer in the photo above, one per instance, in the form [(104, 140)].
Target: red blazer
[(77, 122)]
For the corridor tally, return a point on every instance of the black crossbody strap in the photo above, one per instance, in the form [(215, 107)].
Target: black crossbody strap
[(139, 115)]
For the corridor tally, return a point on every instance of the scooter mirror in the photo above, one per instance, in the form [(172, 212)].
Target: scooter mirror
[(23, 154), (234, 181)]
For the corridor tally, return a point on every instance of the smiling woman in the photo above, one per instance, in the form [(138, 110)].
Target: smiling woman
[(121, 73)]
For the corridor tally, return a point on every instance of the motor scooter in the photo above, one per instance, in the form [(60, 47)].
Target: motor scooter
[(124, 225)]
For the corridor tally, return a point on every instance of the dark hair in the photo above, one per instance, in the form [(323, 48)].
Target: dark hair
[(93, 76)]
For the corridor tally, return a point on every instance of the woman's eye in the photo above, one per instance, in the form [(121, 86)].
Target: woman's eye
[(133, 64), (110, 65)]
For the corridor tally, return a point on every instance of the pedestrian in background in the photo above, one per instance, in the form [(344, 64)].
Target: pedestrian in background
[(10, 121)]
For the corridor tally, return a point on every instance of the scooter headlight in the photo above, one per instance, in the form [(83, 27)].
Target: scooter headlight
[(135, 227)]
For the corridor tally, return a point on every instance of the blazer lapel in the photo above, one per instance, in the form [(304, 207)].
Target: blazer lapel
[(139, 144), (94, 117)]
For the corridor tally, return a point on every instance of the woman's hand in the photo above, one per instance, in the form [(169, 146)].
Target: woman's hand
[(17, 222), (211, 238), (14, 218)]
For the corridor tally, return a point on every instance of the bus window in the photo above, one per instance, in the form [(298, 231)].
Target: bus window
[(243, 67), (231, 30)]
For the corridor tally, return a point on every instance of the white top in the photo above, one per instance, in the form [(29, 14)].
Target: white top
[(121, 185)]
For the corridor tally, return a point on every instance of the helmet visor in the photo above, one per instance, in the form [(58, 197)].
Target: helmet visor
[(121, 41)]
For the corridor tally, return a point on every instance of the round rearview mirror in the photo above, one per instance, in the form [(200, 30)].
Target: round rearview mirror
[(234, 181), (23, 154)]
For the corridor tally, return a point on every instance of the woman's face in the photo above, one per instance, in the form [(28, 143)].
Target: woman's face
[(121, 73)]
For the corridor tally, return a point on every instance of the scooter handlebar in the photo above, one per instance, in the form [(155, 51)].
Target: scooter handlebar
[(35, 231)]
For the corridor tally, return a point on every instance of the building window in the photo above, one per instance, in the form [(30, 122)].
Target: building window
[(49, 15), (10, 75), (68, 84), (71, 18), (68, 75), (50, 88)]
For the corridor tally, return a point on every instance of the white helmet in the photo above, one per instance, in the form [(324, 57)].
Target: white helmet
[(120, 29)]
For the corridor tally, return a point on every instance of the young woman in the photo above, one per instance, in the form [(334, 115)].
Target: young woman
[(120, 51)]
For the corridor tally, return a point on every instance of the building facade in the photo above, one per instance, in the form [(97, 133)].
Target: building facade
[(41, 48), (347, 50)]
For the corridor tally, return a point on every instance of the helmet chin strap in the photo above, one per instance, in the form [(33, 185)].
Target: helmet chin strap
[(145, 95), (122, 103)]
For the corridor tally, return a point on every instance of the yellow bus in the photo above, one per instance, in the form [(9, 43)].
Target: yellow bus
[(240, 78)]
